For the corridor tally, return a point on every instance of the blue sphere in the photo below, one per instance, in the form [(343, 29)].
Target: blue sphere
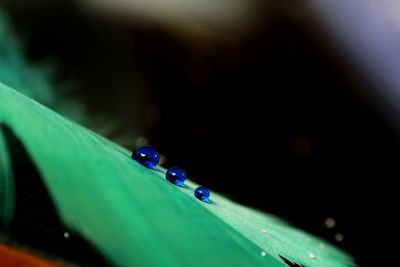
[(147, 156), (202, 193), (176, 175)]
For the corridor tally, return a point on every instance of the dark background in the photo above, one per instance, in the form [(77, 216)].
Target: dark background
[(275, 118)]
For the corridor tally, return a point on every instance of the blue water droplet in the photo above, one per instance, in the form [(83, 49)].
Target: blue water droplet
[(147, 156), (202, 193), (176, 175)]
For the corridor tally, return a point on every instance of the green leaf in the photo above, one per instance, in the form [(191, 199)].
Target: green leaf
[(6, 186), (134, 216)]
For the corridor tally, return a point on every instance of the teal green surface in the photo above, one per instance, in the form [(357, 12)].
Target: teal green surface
[(7, 200), (134, 216)]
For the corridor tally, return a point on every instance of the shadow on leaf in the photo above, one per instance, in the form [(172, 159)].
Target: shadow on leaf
[(291, 264), (36, 223)]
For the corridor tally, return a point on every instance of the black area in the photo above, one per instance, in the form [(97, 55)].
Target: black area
[(289, 263), (285, 132), (36, 223)]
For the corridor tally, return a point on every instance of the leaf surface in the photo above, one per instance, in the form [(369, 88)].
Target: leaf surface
[(134, 216)]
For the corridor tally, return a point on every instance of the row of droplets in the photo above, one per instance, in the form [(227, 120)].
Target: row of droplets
[(149, 157)]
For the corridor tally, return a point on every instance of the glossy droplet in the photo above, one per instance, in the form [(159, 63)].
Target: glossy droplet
[(202, 193), (176, 175), (147, 156)]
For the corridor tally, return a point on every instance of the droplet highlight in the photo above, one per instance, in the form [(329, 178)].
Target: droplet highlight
[(147, 156), (176, 175), (202, 193)]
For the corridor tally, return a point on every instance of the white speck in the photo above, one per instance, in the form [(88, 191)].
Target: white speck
[(66, 235), (339, 237), (330, 223), (311, 255), (264, 231), (263, 253), (321, 245)]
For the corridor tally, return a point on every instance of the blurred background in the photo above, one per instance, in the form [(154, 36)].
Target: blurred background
[(290, 107)]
